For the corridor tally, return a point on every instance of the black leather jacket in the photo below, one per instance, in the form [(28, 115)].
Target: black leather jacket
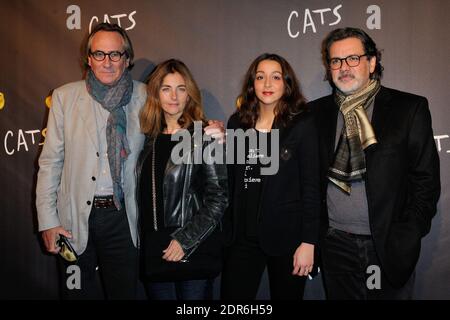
[(195, 195)]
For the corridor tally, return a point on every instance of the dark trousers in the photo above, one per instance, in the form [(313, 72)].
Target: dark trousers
[(243, 268), (348, 269), (108, 267), (181, 290)]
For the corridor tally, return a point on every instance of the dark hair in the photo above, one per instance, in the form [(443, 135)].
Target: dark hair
[(291, 103), (370, 48), (152, 117), (104, 26)]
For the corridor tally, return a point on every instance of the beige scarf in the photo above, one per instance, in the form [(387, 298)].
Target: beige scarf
[(349, 162)]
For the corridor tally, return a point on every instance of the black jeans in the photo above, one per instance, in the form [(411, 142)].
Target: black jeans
[(181, 290), (109, 265), (243, 268), (346, 258)]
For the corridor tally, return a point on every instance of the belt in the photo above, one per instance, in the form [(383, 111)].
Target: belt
[(354, 235), (104, 202)]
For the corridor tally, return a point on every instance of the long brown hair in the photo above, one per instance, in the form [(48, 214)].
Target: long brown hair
[(291, 103), (152, 117)]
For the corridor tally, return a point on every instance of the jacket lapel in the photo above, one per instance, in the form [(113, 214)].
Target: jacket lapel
[(327, 129), (283, 134), (86, 111), (381, 111)]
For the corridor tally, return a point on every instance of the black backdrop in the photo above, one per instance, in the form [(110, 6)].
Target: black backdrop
[(217, 39)]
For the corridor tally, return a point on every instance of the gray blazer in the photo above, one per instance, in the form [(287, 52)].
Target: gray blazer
[(69, 160)]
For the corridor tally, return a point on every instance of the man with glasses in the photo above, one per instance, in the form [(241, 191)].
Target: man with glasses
[(85, 187), (86, 181), (380, 174)]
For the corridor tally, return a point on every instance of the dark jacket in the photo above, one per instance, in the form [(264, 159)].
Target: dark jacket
[(289, 209), (402, 180), (195, 195)]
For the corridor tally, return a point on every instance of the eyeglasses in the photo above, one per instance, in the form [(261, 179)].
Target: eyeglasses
[(352, 61), (113, 55)]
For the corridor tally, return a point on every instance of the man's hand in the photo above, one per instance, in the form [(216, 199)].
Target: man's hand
[(216, 130), (174, 252), (303, 259), (49, 236)]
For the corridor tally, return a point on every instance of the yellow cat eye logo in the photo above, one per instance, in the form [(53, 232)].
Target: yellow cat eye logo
[(48, 101), (2, 100)]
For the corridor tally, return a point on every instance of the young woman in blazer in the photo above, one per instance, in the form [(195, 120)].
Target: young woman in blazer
[(180, 203), (272, 220)]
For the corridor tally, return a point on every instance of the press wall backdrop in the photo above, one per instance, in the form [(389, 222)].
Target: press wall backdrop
[(217, 39)]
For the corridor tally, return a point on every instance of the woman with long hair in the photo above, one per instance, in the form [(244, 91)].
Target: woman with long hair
[(180, 202), (272, 220)]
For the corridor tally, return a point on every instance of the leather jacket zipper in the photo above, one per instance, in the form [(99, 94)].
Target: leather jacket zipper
[(137, 173), (155, 220), (199, 241)]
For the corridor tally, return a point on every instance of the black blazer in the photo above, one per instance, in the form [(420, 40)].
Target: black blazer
[(289, 209), (402, 179)]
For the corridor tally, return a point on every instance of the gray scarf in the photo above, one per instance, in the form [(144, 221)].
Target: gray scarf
[(113, 98)]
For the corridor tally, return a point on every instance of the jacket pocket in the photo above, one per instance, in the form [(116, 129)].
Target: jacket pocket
[(403, 247), (292, 205), (64, 212)]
